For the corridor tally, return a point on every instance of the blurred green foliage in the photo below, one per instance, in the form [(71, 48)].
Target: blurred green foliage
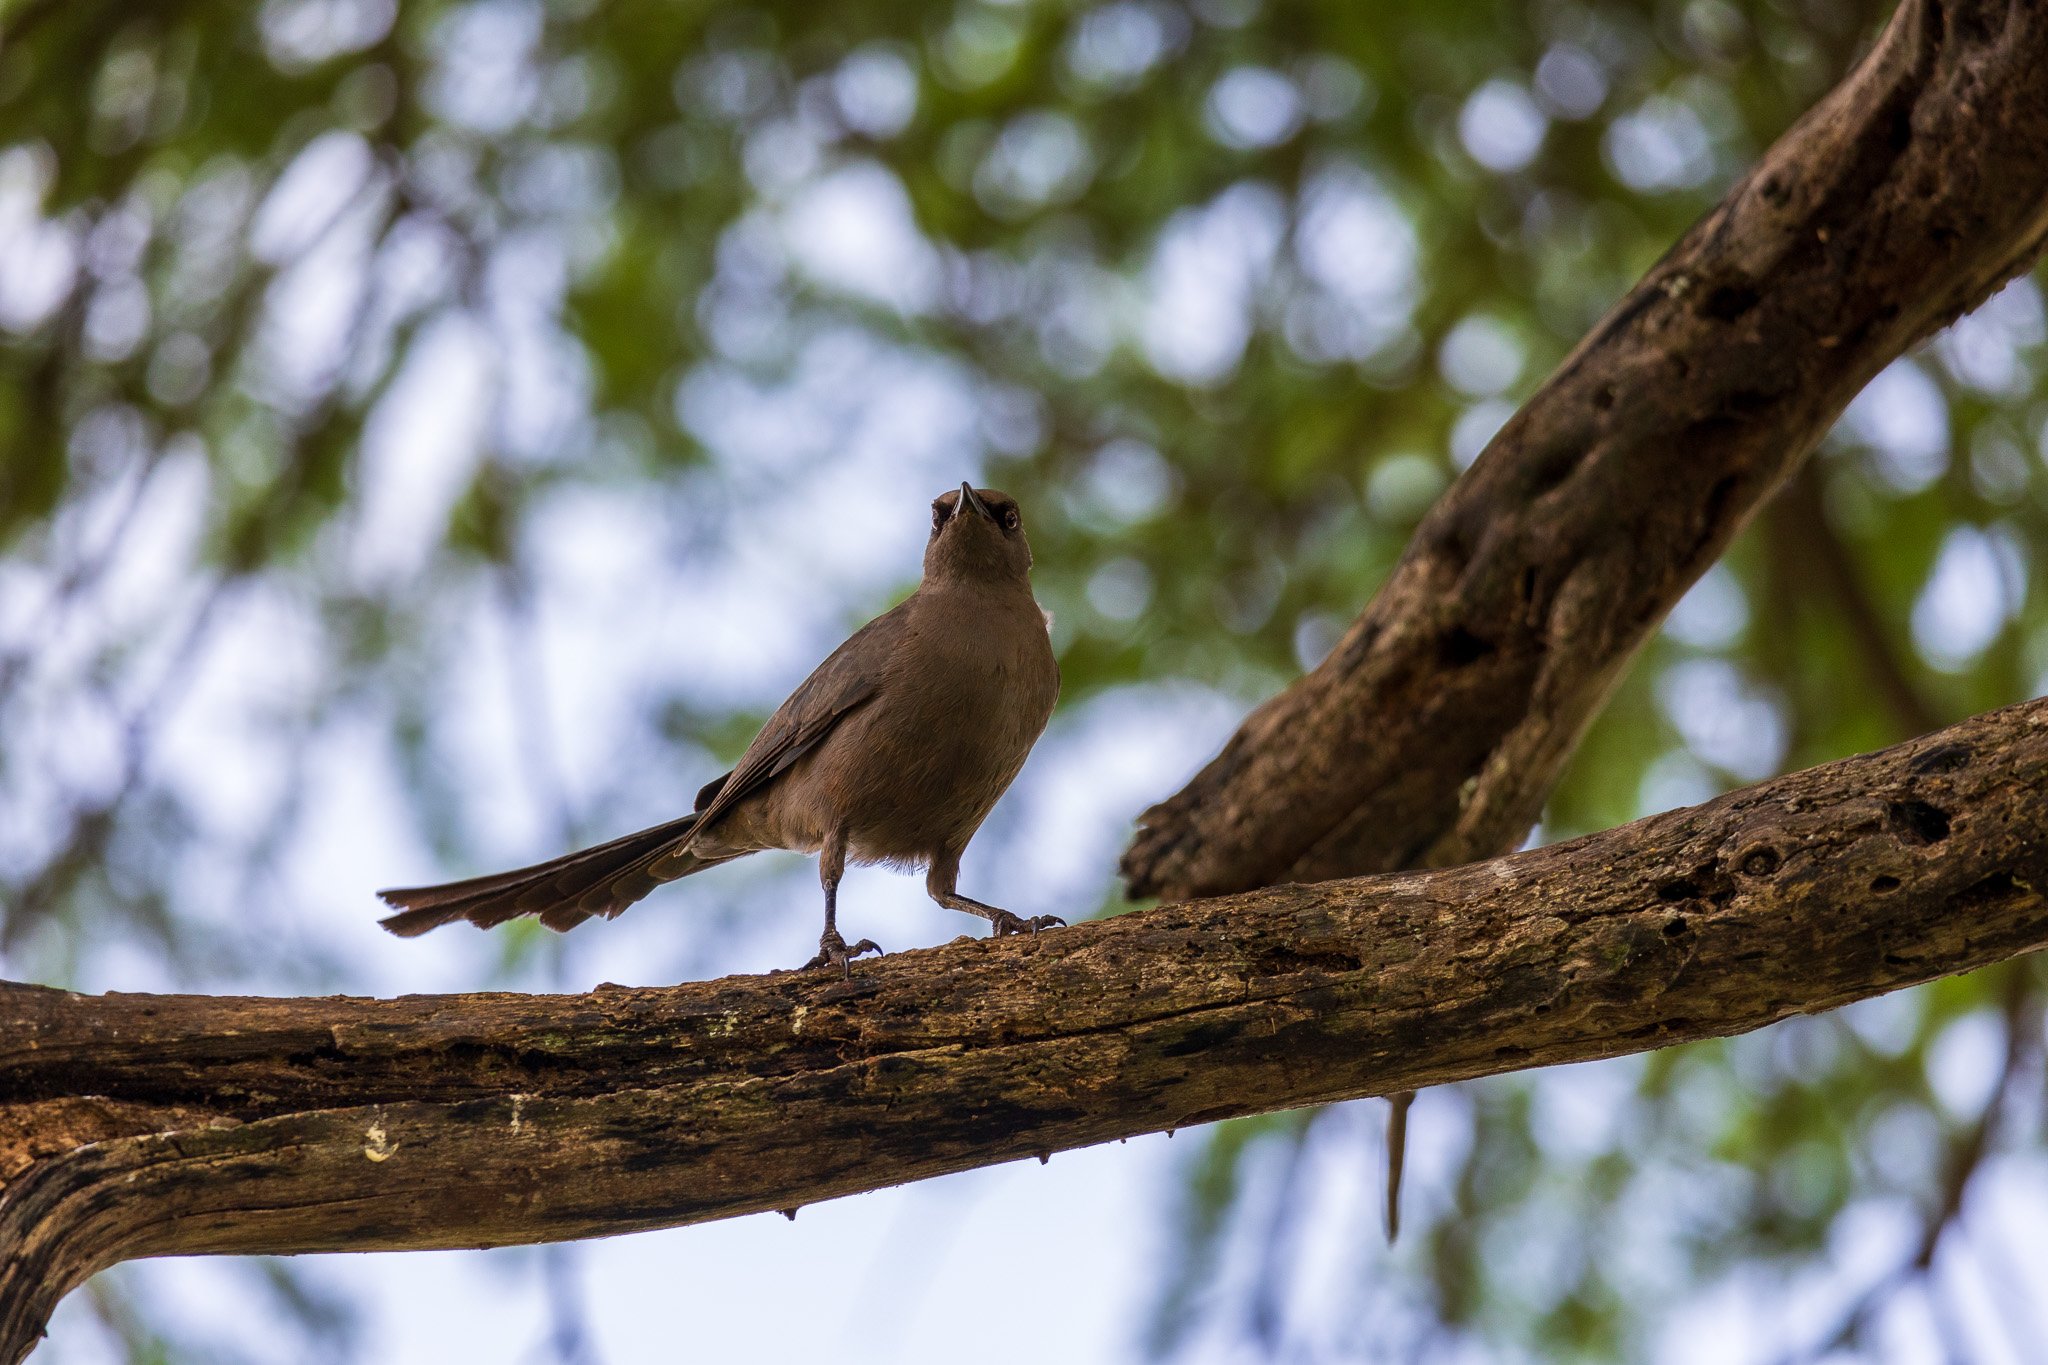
[(1235, 289)]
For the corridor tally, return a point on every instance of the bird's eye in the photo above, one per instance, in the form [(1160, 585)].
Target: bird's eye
[(939, 514), (1010, 519)]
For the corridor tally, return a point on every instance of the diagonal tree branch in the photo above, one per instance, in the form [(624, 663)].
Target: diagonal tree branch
[(1436, 729), (138, 1125)]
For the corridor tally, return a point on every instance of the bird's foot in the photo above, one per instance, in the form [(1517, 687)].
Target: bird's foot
[(1002, 923), (833, 952)]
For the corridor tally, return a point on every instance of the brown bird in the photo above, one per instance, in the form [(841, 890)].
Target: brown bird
[(892, 751)]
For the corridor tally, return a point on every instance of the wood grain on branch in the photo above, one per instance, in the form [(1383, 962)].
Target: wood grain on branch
[(1436, 729), (138, 1125)]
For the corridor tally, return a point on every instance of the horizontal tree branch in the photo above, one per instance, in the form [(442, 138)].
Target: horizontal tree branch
[(1435, 730), (140, 1125)]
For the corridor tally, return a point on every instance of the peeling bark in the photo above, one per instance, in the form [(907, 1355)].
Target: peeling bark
[(141, 1125), (1437, 727)]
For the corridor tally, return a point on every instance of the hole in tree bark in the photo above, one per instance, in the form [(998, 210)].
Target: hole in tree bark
[(1678, 889), (1552, 469), (1760, 862), (1729, 302), (1882, 884), (1916, 822), (1461, 647), (1675, 926)]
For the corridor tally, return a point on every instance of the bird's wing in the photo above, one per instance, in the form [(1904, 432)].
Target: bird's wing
[(846, 681)]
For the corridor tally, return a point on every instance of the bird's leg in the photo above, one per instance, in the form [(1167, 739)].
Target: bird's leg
[(945, 875), (832, 949)]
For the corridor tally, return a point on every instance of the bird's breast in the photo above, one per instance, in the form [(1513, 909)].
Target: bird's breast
[(967, 693)]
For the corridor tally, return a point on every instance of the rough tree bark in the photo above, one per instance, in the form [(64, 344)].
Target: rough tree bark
[(136, 1125), (1437, 727)]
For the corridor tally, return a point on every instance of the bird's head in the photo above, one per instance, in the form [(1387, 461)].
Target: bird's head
[(977, 534)]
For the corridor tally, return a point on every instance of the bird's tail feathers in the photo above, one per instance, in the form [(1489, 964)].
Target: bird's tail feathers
[(564, 891)]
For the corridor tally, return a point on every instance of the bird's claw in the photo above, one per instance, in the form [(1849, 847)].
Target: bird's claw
[(1003, 923), (833, 952)]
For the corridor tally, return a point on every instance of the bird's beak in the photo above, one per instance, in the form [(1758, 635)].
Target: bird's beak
[(973, 499)]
